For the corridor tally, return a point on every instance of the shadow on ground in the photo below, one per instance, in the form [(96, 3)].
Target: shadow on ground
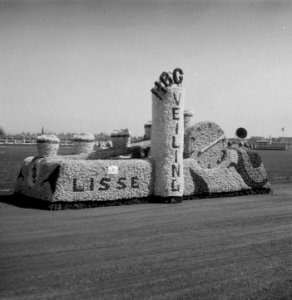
[(22, 201)]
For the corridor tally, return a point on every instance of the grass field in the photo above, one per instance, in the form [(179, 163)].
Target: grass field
[(278, 163)]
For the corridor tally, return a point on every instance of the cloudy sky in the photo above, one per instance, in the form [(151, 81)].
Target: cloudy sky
[(88, 66)]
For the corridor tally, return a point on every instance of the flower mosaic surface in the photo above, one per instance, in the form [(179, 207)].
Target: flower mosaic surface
[(242, 169)]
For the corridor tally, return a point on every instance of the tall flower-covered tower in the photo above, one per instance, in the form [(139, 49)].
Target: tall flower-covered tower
[(167, 137)]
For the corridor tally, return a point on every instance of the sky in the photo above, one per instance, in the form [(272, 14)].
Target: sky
[(89, 66)]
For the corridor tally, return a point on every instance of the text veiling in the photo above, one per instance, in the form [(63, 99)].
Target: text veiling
[(166, 80)]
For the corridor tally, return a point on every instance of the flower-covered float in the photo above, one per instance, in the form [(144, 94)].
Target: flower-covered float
[(185, 161)]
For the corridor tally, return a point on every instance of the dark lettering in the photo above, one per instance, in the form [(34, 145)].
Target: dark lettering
[(176, 128), (166, 79), (174, 145), (121, 183), (91, 184), (77, 188), (173, 187), (134, 182), (105, 185), (175, 169), (153, 91), (160, 87), (34, 174), (175, 98), (175, 111), (175, 156), (178, 79)]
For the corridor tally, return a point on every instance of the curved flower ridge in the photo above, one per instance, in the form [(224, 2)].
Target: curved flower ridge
[(48, 138), (84, 137)]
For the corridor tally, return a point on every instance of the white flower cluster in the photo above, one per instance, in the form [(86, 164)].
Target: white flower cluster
[(83, 143), (47, 145), (48, 138), (121, 132), (84, 137), (232, 175), (61, 179), (120, 138), (201, 135)]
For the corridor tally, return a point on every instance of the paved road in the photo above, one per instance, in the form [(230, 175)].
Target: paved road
[(223, 248)]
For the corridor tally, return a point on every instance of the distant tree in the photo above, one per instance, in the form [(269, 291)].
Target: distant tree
[(69, 135), (2, 132), (102, 136)]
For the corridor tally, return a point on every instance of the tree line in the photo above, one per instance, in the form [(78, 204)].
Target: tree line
[(102, 136), (66, 136)]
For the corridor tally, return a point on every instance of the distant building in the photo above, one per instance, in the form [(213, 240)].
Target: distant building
[(285, 139), (253, 140), (268, 144)]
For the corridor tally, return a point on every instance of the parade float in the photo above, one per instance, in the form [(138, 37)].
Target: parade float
[(185, 161)]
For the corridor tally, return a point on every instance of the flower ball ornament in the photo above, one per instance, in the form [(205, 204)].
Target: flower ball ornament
[(241, 133), (47, 145), (83, 143)]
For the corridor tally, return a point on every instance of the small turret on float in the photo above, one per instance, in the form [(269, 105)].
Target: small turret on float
[(185, 161)]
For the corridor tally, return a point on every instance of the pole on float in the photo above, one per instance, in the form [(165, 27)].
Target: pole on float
[(167, 135)]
